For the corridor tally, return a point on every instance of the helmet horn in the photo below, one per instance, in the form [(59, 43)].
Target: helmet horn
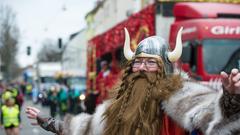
[(177, 52), (127, 49)]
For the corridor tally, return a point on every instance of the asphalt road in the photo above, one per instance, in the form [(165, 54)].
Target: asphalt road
[(27, 128)]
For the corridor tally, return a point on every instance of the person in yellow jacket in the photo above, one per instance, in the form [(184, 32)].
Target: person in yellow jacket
[(10, 117)]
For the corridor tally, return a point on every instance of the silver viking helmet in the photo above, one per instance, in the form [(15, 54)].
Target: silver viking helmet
[(155, 47)]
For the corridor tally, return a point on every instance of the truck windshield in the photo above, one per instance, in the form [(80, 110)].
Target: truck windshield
[(221, 55)]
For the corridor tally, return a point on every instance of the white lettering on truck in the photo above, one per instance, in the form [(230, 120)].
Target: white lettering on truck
[(221, 30), (189, 30)]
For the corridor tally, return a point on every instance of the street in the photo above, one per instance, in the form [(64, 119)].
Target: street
[(27, 128)]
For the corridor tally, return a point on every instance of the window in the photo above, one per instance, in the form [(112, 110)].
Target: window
[(189, 55), (165, 8), (221, 54)]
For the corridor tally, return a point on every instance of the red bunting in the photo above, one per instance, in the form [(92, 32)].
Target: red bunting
[(114, 37)]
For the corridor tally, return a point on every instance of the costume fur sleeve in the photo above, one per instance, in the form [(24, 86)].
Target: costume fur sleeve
[(82, 124), (85, 124), (92, 125), (198, 106)]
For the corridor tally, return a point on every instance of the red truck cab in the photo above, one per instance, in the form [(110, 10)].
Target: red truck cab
[(211, 38)]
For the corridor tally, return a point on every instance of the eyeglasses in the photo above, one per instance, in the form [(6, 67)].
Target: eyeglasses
[(149, 63)]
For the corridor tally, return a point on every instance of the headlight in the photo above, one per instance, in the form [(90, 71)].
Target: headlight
[(82, 97), (40, 95)]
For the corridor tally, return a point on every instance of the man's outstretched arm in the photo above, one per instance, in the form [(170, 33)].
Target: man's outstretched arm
[(80, 124), (47, 123)]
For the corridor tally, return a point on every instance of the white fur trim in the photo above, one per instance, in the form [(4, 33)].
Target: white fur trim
[(191, 104), (217, 115), (79, 123), (98, 123), (227, 129), (182, 73), (195, 114)]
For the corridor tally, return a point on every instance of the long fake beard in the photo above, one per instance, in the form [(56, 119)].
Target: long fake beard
[(137, 111)]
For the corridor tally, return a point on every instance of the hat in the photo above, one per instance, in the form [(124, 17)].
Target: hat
[(7, 95), (155, 47)]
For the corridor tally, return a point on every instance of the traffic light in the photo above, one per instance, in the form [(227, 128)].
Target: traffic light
[(28, 50), (59, 43)]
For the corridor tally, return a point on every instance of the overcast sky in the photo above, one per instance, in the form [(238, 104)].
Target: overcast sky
[(40, 19)]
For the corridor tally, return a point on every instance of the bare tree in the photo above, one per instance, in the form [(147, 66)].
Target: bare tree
[(9, 37), (50, 52)]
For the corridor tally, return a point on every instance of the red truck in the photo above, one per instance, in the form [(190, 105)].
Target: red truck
[(211, 37)]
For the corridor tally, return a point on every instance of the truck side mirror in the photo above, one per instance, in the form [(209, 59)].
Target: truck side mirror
[(186, 54)]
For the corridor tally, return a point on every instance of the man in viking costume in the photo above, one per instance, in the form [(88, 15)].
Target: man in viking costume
[(150, 94)]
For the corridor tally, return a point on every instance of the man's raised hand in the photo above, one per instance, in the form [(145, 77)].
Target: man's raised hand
[(231, 82), (32, 113)]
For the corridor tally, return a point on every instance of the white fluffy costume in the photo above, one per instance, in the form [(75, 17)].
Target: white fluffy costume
[(195, 106)]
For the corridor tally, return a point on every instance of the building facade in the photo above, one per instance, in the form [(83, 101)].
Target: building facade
[(74, 55)]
